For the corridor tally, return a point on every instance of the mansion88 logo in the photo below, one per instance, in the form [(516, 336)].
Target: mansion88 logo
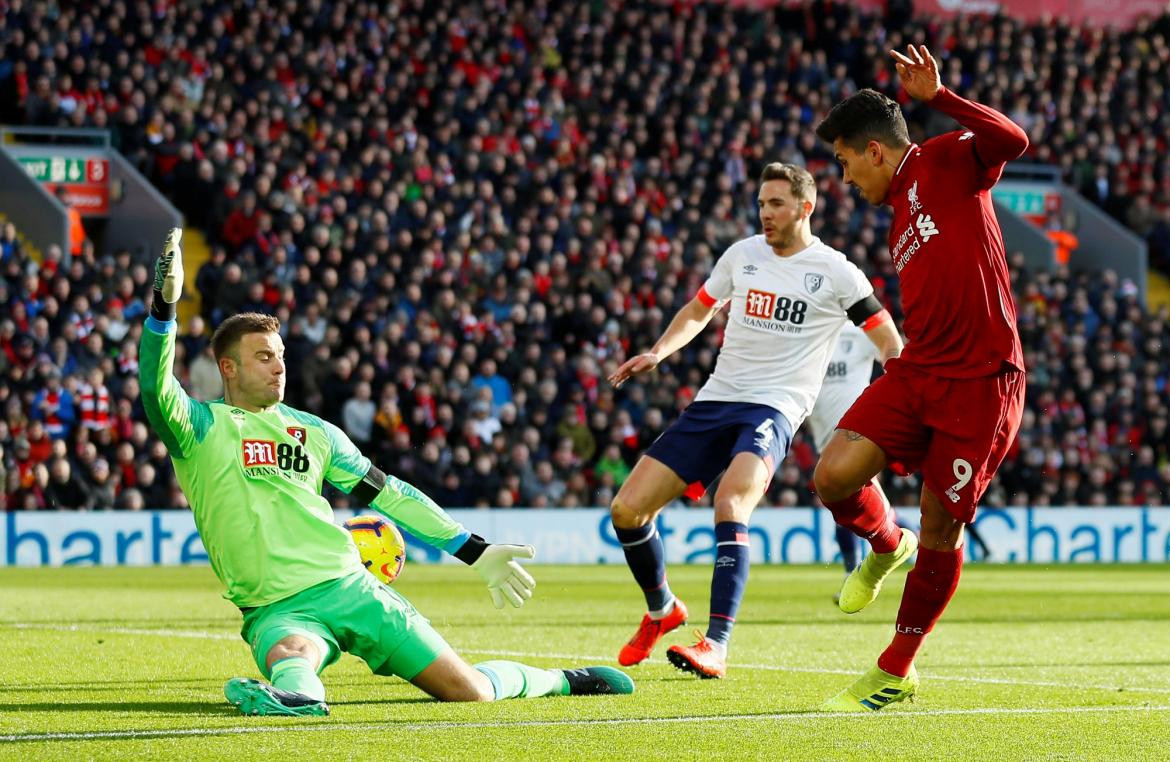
[(765, 305), (267, 455)]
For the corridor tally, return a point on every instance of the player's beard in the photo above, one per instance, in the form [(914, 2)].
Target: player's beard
[(783, 237)]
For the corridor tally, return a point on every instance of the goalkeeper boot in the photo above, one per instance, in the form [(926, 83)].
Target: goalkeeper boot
[(254, 697), (705, 658), (649, 633), (865, 582), (596, 681), (872, 691)]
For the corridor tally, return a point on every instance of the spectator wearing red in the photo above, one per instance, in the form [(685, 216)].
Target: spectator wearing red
[(93, 398)]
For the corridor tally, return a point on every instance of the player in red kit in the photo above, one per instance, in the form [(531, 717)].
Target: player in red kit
[(951, 404)]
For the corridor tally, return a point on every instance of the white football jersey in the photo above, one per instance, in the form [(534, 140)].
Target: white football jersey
[(786, 313), (850, 369)]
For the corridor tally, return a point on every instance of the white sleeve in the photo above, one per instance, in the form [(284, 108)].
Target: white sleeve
[(719, 286), (852, 285)]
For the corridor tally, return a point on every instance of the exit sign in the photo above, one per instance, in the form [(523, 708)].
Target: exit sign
[(85, 179), (60, 169), (1022, 202)]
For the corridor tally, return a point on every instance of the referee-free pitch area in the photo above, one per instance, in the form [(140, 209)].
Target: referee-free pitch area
[(1068, 662)]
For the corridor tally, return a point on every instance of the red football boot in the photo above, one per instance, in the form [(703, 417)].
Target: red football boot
[(649, 633), (704, 658)]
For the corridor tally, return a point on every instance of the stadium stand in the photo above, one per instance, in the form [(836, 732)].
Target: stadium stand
[(464, 217)]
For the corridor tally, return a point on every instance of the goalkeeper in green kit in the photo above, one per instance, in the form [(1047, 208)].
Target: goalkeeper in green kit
[(252, 469)]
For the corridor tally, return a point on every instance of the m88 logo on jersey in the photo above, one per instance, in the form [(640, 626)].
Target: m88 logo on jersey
[(259, 452), (759, 304), (766, 305), (265, 452)]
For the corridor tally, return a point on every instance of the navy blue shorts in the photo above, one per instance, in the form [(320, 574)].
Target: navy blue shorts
[(700, 445)]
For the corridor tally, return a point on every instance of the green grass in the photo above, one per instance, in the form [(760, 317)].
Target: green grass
[(1029, 663)]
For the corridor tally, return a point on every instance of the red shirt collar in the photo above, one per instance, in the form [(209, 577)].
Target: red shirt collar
[(898, 181)]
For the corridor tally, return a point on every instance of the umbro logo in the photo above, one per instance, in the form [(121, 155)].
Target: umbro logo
[(750, 269), (725, 561)]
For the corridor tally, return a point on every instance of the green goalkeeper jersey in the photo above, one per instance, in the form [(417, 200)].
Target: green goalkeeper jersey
[(254, 483)]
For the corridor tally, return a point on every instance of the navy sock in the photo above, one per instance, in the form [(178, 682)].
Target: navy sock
[(647, 560), (732, 558), (847, 541)]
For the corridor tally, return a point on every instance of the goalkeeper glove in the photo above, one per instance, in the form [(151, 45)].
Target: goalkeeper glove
[(505, 577), (168, 278)]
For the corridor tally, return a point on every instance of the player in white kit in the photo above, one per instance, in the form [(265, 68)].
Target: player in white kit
[(849, 372), (789, 297)]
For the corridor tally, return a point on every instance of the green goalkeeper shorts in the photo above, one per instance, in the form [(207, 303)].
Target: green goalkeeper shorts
[(356, 614)]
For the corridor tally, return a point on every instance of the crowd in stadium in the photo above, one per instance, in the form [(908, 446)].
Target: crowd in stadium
[(465, 216)]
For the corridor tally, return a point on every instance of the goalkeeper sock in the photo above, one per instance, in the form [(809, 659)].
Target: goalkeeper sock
[(511, 679), (296, 674)]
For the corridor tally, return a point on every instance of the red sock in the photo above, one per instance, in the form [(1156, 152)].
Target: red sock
[(866, 515), (929, 587)]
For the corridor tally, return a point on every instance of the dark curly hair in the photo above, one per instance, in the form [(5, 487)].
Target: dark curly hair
[(864, 116)]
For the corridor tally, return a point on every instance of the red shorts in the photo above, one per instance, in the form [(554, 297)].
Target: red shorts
[(956, 430)]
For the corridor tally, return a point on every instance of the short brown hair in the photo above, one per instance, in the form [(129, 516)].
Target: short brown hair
[(225, 342), (804, 187), (864, 116)]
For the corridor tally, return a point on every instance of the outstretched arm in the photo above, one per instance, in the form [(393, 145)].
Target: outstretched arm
[(686, 325), (997, 138), (178, 420), (352, 472)]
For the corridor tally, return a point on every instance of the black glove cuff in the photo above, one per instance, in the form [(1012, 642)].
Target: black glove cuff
[(161, 309), (471, 550)]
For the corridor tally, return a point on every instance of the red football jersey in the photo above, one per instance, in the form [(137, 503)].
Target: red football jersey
[(960, 317)]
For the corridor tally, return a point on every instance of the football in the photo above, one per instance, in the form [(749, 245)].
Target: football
[(380, 545)]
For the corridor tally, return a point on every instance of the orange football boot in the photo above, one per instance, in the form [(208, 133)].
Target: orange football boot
[(703, 658), (649, 633)]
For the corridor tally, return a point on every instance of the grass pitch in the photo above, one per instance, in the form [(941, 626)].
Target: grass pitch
[(1029, 663)]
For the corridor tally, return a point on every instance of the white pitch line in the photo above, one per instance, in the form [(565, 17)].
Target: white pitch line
[(777, 716), (827, 671), (199, 634), (587, 657)]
